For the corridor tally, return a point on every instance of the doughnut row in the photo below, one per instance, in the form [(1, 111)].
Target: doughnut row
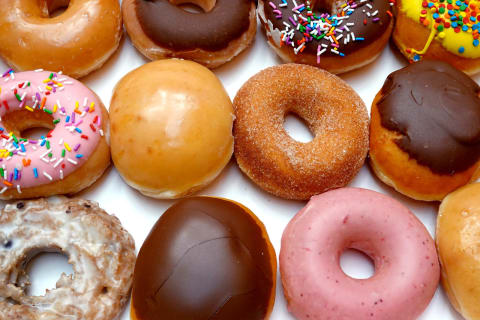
[(171, 129)]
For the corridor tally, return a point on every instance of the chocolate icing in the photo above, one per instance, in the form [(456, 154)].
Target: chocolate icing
[(370, 32), (174, 28), (436, 109), (205, 258)]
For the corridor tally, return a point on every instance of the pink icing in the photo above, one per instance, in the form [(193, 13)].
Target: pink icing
[(406, 264), (80, 136)]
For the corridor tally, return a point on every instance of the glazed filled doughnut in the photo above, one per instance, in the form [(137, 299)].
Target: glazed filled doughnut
[(439, 30), (205, 258), (333, 111), (161, 29), (406, 263), (171, 128), (458, 236), (101, 252), (338, 36), (75, 152), (425, 130), (76, 42)]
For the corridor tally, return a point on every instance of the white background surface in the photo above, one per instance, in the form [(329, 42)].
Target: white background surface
[(138, 213)]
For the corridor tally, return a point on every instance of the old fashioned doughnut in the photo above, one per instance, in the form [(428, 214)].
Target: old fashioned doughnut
[(440, 30), (101, 252), (338, 36), (76, 42), (171, 128), (425, 130), (407, 271), (335, 114), (160, 29), (72, 156), (458, 236), (205, 258)]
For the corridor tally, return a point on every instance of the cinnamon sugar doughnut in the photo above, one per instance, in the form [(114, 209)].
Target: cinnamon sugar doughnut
[(332, 110), (101, 251)]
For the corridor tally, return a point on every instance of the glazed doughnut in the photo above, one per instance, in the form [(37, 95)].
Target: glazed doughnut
[(205, 258), (458, 236), (338, 36), (425, 130), (171, 128), (72, 156), (77, 42), (406, 264), (332, 110), (439, 30), (101, 252), (160, 29)]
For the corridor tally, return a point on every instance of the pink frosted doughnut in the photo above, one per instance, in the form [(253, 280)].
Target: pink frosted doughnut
[(406, 264), (71, 156)]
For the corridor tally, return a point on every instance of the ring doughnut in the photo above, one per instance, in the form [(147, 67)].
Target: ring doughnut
[(101, 252), (72, 156), (160, 29), (407, 271), (337, 36), (332, 110), (77, 42)]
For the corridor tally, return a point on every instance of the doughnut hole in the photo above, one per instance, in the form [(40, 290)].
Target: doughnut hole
[(53, 8), (44, 269), (297, 128), (28, 125), (356, 264), (326, 6), (195, 6)]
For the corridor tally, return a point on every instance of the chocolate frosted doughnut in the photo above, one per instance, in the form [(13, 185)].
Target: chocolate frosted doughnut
[(101, 252), (336, 36), (161, 29), (205, 258), (425, 133)]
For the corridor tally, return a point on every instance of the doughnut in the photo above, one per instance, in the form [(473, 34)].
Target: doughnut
[(407, 271), (458, 236), (171, 128), (101, 252), (205, 258), (439, 30), (161, 29), (337, 36), (76, 42), (75, 152), (333, 111), (425, 130)]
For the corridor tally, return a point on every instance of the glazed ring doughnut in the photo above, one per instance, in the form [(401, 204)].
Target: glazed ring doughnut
[(101, 251), (334, 113), (77, 42), (71, 156), (337, 36), (160, 29), (407, 271)]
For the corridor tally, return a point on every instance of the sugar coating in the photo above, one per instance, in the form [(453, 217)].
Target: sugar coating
[(333, 111)]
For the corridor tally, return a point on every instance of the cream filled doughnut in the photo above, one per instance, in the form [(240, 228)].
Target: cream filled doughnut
[(160, 29), (77, 42), (101, 252), (334, 113), (406, 263), (71, 156)]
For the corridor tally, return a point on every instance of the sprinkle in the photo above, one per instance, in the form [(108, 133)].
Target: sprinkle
[(72, 161), (19, 190), (3, 190), (67, 146), (47, 175)]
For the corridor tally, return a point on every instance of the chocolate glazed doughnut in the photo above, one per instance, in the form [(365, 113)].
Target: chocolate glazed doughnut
[(160, 29), (336, 36), (425, 131)]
